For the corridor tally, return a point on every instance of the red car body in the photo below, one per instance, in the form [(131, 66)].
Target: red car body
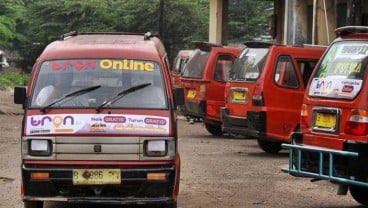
[(179, 63), (332, 143), (120, 147), (265, 91), (204, 80)]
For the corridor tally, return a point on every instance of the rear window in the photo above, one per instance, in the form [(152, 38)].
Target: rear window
[(341, 72), (196, 64), (249, 65)]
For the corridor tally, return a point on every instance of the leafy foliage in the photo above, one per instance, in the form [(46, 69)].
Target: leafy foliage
[(11, 79), (29, 25), (10, 13), (248, 19)]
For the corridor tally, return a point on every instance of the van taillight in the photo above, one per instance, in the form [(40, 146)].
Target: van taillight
[(304, 117), (202, 92), (357, 123), (257, 99)]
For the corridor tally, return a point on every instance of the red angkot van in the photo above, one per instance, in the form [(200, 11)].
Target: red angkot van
[(100, 122), (265, 90), (178, 66), (203, 79), (333, 142)]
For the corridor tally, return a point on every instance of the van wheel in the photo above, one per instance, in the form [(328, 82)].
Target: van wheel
[(215, 130), (33, 204), (172, 205), (269, 146), (360, 194)]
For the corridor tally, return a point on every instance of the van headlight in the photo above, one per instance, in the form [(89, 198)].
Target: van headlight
[(39, 147), (155, 148)]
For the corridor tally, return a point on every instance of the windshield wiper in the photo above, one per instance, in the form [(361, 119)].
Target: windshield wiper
[(122, 94), (69, 95)]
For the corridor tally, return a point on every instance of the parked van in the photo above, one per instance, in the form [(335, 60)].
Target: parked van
[(179, 62), (265, 90), (99, 122), (204, 80), (333, 143)]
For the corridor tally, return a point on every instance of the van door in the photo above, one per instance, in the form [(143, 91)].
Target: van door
[(284, 98), (216, 87)]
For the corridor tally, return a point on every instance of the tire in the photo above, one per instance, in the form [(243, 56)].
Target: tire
[(33, 204), (215, 130), (360, 194), (172, 205), (269, 146)]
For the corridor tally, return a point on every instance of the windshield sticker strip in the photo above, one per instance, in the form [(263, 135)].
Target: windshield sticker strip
[(104, 64), (103, 124), (335, 88)]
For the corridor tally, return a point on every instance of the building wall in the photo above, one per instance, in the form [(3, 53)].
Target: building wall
[(314, 21)]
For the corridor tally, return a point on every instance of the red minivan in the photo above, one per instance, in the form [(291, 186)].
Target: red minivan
[(100, 122), (265, 91), (333, 142), (179, 62), (203, 79)]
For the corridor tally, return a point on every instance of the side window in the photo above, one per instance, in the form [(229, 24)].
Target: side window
[(177, 65), (182, 64), (306, 68), (167, 62), (285, 74), (223, 66)]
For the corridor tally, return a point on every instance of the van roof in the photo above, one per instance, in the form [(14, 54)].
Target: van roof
[(346, 30), (258, 44), (106, 45)]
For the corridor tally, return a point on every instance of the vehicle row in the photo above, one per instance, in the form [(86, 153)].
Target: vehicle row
[(249, 90), (312, 100)]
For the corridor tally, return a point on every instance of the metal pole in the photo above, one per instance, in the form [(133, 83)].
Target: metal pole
[(161, 17), (328, 32)]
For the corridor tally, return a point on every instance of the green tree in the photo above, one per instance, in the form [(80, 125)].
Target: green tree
[(248, 19), (45, 20), (29, 25), (10, 13)]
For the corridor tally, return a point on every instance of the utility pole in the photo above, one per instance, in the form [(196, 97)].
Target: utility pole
[(161, 18)]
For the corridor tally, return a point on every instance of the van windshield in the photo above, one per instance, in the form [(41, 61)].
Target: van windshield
[(104, 79), (196, 64), (341, 72), (249, 65)]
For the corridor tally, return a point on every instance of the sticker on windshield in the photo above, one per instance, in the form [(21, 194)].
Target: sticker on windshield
[(354, 50), (335, 87), (104, 64), (343, 60), (99, 124)]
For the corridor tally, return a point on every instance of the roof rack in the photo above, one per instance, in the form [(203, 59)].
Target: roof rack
[(258, 44), (346, 30), (147, 35), (205, 46), (65, 35)]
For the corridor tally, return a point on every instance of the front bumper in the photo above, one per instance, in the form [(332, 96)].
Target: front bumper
[(134, 188)]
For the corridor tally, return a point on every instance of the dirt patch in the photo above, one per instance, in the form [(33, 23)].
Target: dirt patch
[(7, 105)]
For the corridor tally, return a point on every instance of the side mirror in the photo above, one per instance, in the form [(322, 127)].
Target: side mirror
[(178, 96), (20, 94)]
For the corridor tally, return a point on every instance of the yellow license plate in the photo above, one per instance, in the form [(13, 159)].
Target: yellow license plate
[(96, 176), (325, 120), (239, 96), (191, 93)]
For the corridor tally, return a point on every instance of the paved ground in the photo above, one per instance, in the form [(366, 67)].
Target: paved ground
[(216, 172)]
